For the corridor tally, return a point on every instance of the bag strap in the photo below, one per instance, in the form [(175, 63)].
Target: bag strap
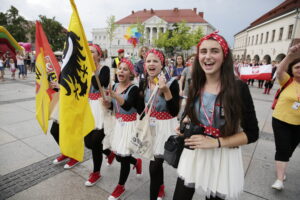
[(283, 87), (150, 101)]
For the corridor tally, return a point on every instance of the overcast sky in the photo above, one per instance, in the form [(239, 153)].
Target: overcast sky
[(228, 16)]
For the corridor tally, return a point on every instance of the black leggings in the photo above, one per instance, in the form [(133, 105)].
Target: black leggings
[(183, 192), (269, 84), (125, 167), (156, 177), (93, 141), (55, 131), (287, 138)]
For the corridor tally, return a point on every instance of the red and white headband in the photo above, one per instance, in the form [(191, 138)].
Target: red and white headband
[(219, 39), (158, 54), (129, 64), (97, 48)]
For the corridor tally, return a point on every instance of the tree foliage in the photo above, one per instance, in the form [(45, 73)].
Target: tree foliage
[(111, 28), (178, 38), (15, 24), (55, 32), (23, 30)]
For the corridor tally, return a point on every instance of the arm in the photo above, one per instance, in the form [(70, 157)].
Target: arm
[(181, 83), (292, 54), (173, 98), (132, 99)]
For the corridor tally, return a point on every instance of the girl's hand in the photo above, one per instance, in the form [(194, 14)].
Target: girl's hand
[(112, 93), (294, 52), (162, 83), (54, 84), (177, 130), (106, 103), (201, 142)]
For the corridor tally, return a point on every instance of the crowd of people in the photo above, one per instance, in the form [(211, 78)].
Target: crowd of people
[(197, 91), (266, 84), (23, 62)]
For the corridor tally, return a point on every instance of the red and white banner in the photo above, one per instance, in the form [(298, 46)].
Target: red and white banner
[(261, 72)]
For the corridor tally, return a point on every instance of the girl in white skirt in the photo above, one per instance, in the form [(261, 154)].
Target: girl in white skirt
[(222, 110), (124, 103), (163, 117), (93, 140)]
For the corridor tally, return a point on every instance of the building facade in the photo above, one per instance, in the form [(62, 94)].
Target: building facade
[(270, 36), (155, 21)]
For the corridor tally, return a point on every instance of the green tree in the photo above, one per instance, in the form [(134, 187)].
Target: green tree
[(141, 29), (55, 32), (15, 24), (110, 30), (178, 38)]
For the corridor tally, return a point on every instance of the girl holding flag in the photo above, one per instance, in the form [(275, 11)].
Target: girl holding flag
[(94, 139), (124, 102)]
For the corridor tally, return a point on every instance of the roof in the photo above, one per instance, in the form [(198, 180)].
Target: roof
[(170, 16), (283, 8)]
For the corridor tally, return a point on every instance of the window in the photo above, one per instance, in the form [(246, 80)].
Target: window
[(118, 42), (267, 37), (248, 41), (256, 39), (280, 33), (261, 38), (290, 33), (273, 36), (100, 37), (252, 39)]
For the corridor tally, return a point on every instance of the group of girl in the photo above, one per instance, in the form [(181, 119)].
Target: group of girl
[(6, 61), (213, 161)]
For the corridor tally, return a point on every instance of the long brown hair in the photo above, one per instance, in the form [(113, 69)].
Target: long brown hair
[(229, 96)]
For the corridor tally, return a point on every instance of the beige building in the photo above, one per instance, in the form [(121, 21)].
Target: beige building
[(270, 36), (155, 21)]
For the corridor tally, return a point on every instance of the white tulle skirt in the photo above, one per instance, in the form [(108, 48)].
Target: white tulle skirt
[(217, 172), (162, 131), (98, 112), (121, 137)]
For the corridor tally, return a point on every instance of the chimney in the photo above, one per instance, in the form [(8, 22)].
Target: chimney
[(201, 14), (175, 10), (152, 11), (132, 12), (195, 10), (145, 10)]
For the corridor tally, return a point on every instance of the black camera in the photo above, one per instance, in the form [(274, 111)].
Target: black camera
[(189, 129)]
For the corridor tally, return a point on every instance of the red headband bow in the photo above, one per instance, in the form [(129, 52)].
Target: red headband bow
[(129, 64), (158, 54), (97, 48), (219, 39)]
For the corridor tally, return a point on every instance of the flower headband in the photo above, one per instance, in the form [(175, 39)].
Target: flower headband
[(129, 64), (158, 54), (97, 48), (219, 39)]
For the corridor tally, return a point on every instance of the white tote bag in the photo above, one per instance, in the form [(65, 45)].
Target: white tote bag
[(142, 142)]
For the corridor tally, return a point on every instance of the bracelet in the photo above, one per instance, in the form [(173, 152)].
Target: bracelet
[(219, 143)]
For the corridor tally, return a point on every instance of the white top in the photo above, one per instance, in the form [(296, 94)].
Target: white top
[(20, 60), (1, 63)]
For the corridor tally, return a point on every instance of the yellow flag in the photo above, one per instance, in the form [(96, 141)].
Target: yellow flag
[(42, 85), (76, 119)]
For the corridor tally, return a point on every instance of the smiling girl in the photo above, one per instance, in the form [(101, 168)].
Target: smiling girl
[(163, 115), (124, 103), (223, 107)]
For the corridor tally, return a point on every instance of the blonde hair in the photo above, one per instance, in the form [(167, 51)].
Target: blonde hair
[(140, 51)]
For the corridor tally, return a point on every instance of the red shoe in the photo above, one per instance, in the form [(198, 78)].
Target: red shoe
[(138, 166), (161, 193), (110, 158), (93, 179), (72, 162), (59, 159), (117, 193)]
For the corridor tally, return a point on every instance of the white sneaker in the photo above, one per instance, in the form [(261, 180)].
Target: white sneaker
[(278, 185)]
